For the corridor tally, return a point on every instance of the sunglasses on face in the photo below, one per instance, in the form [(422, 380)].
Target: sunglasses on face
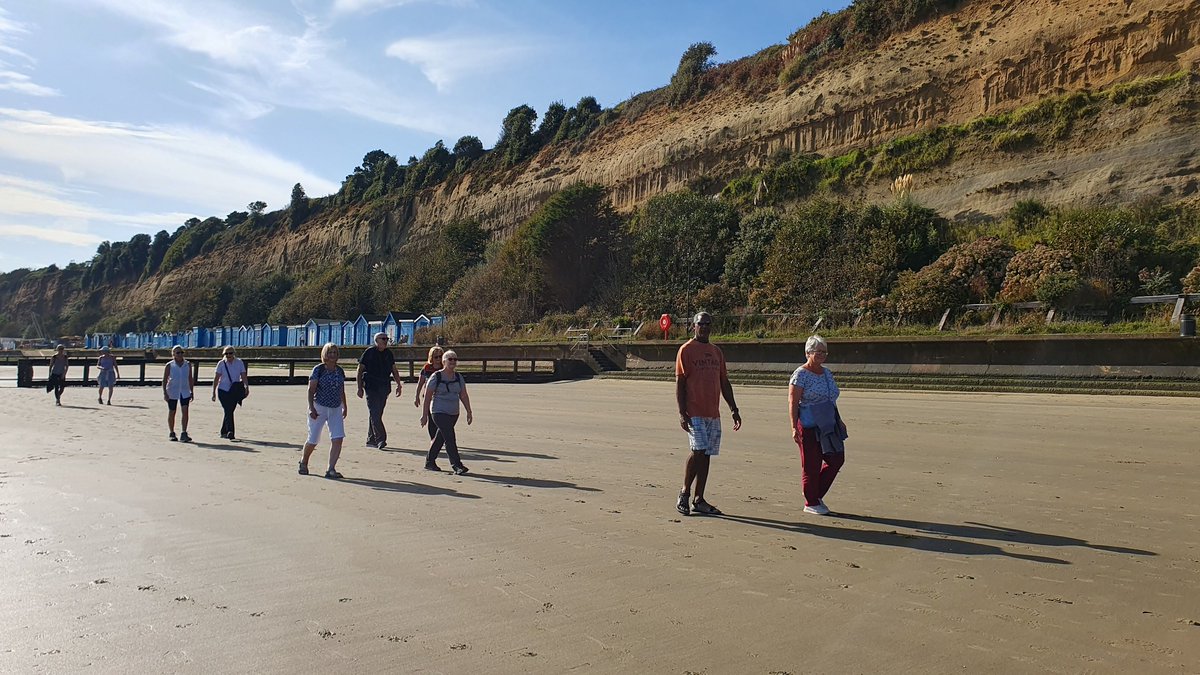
[(451, 359)]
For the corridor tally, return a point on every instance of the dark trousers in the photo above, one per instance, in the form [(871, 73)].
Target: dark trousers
[(445, 436), (818, 470), (57, 384), (229, 401), (431, 426), (376, 402)]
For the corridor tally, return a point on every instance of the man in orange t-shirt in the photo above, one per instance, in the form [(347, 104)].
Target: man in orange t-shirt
[(700, 381)]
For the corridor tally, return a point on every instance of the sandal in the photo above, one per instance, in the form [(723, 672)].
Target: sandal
[(703, 507), (303, 469), (681, 504)]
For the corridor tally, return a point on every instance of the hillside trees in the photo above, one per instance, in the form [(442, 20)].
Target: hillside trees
[(560, 258), (828, 254), (679, 244)]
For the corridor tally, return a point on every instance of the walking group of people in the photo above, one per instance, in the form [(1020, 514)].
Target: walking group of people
[(444, 388), (702, 380)]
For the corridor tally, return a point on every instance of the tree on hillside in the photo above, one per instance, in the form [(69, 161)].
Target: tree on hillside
[(685, 83), (516, 136), (256, 209), (680, 241), (466, 151), (298, 205), (158, 248)]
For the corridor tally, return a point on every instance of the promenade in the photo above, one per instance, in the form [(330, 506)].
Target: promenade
[(972, 533)]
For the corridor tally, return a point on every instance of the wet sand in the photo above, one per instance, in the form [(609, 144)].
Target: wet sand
[(974, 532)]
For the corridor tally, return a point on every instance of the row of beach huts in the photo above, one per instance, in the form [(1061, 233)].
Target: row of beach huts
[(401, 327)]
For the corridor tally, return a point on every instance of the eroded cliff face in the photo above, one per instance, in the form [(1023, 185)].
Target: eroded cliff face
[(988, 57)]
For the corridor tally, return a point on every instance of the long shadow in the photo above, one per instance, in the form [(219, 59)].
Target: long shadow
[(126, 405), (878, 538), (531, 482), (272, 444), (972, 530), (219, 446), (505, 453), (478, 454), (412, 488)]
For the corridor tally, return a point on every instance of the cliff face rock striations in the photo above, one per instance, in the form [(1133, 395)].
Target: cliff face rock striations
[(987, 57)]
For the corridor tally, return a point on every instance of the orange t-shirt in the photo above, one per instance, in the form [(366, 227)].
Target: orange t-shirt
[(702, 367)]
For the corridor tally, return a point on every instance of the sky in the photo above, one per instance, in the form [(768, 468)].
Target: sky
[(120, 117)]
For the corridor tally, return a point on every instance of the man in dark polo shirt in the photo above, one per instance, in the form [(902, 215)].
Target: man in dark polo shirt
[(376, 371)]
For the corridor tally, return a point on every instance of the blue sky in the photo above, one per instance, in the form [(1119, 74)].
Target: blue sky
[(127, 116)]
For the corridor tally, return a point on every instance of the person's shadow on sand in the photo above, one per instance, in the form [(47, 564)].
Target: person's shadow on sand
[(412, 488), (879, 538), (530, 482), (272, 444), (971, 530), (219, 446), (478, 454)]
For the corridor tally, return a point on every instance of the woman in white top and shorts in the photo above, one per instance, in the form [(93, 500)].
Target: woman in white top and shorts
[(178, 383)]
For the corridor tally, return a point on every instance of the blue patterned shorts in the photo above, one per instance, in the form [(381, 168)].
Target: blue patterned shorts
[(705, 435)]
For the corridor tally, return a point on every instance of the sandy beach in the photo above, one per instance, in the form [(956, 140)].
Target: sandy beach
[(972, 533)]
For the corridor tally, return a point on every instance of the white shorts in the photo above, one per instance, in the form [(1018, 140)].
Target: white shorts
[(326, 416), (705, 435)]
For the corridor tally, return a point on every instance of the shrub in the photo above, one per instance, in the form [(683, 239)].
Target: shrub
[(1191, 282), (1029, 270), (971, 272), (685, 83), (1012, 141)]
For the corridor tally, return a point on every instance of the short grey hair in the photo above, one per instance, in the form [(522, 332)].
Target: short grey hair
[(815, 343)]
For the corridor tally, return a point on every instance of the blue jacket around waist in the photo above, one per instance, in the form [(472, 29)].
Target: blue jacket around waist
[(830, 430)]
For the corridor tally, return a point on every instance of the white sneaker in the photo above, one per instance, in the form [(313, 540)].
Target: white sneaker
[(817, 509)]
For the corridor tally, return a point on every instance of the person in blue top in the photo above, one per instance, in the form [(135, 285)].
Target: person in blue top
[(109, 373), (812, 385), (326, 407)]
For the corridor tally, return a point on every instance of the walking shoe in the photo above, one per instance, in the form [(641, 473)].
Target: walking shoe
[(333, 474), (460, 470), (702, 507), (185, 438), (381, 445), (173, 437), (817, 509), (303, 469), (372, 444), (100, 400), (432, 467), (681, 504)]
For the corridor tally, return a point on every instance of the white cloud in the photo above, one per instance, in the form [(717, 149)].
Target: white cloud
[(365, 6), (444, 59), (202, 169), (259, 65), (22, 199), (53, 236), (10, 78)]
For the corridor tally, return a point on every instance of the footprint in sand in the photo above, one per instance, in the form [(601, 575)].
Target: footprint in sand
[(343, 599), (147, 588), (459, 647)]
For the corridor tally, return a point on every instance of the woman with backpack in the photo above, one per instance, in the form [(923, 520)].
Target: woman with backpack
[(432, 364), (446, 388)]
